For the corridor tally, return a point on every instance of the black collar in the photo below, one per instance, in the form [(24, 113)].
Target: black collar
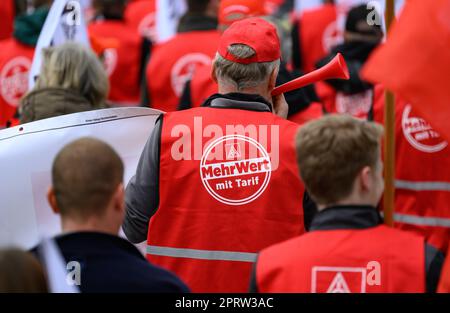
[(95, 242), (250, 102), (346, 217)]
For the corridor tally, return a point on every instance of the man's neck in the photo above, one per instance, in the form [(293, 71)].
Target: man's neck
[(225, 89), (90, 225)]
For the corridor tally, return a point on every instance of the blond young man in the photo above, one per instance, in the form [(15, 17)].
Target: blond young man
[(348, 249)]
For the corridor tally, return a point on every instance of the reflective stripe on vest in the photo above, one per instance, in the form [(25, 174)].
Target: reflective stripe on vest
[(421, 220), (213, 255), (422, 186)]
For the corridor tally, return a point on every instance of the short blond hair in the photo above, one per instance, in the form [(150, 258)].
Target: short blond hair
[(74, 66), (331, 151)]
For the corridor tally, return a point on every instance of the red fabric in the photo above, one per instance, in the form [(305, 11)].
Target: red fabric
[(15, 63), (173, 62), (202, 85), (122, 63), (141, 15), (314, 111), (421, 156), (343, 261), (266, 211), (444, 284), (318, 33), (7, 18), (232, 10), (256, 33), (414, 62)]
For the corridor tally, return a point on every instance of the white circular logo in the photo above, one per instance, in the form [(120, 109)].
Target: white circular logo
[(331, 37), (147, 27), (183, 69), (14, 80), (110, 60), (235, 169), (357, 105), (420, 134)]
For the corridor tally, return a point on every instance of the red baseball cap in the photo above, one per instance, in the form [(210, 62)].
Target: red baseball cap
[(234, 10), (256, 33)]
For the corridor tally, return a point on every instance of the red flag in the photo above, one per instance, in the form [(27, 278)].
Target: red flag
[(415, 61)]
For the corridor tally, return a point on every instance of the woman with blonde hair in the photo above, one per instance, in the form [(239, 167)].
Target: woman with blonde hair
[(72, 79)]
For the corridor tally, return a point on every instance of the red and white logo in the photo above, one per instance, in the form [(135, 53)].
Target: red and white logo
[(331, 279), (184, 68), (110, 60), (239, 178), (14, 80), (357, 105), (147, 27), (420, 134)]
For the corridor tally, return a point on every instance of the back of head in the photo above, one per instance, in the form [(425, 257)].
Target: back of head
[(359, 25), (331, 151), (249, 51), (20, 272), (75, 67), (85, 175)]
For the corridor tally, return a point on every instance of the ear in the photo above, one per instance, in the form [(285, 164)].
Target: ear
[(119, 198), (213, 72), (273, 79), (51, 198), (366, 178)]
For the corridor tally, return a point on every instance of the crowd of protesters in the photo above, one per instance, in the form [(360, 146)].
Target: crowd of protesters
[(287, 201)]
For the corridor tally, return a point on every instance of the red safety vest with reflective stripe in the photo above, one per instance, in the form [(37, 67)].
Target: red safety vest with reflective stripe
[(378, 259), (172, 64), (141, 15), (15, 63), (122, 63), (237, 191), (318, 33), (422, 174)]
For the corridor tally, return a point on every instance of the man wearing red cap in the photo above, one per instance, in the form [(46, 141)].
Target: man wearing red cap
[(201, 85), (218, 183)]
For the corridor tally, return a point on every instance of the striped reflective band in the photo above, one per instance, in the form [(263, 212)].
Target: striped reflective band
[(202, 254), (422, 186), (422, 220)]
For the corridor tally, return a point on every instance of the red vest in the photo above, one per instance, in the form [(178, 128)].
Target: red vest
[(444, 283), (422, 174), (122, 63), (172, 64), (202, 85), (7, 17), (140, 15), (15, 63), (237, 192), (378, 260), (318, 33)]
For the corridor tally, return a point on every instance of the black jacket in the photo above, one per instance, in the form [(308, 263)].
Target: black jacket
[(112, 264), (362, 217)]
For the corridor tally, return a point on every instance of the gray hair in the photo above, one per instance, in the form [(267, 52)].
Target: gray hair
[(76, 67), (243, 76)]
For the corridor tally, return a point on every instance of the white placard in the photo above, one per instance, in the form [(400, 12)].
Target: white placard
[(168, 13), (64, 22), (26, 156)]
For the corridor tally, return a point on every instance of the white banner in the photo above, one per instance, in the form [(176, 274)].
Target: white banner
[(168, 13), (65, 22), (26, 156)]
